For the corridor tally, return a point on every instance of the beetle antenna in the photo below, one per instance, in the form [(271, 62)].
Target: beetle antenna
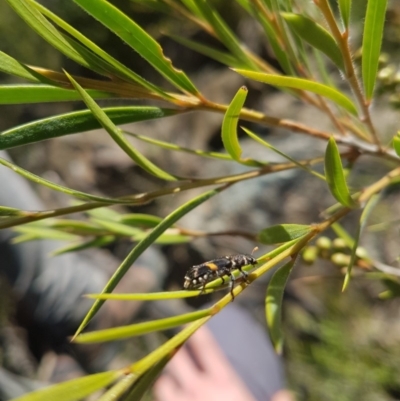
[(255, 249)]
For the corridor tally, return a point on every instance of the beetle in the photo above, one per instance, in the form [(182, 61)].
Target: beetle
[(199, 276)]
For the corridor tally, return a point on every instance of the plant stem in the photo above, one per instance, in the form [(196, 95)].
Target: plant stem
[(379, 185)]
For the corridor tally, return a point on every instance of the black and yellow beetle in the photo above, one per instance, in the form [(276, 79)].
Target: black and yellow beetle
[(200, 275)]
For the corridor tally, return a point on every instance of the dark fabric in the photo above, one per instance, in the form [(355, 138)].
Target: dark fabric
[(246, 344)]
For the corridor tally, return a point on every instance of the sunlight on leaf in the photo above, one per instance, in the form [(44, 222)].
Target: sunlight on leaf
[(120, 333), (151, 296), (302, 84)]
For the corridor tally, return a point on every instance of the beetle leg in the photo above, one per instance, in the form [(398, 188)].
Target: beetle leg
[(221, 276), (245, 275), (203, 288)]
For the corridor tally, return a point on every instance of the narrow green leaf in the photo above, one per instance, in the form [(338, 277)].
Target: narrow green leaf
[(172, 146), (6, 211), (323, 69), (78, 227), (345, 9), (150, 296), (60, 188), (335, 175), (391, 283), (140, 220), (247, 6), (273, 304), (302, 84), (139, 40), (146, 381), (73, 390), (80, 246), (118, 137), (230, 122), (191, 5), (167, 348), (276, 7), (106, 62), (117, 228), (49, 33), (97, 63), (396, 143), (341, 232), (46, 233), (138, 86), (370, 205), (120, 333), (223, 32), (105, 213), (372, 41), (278, 250), (316, 36), (171, 219), (155, 5), (269, 146), (215, 54), (24, 238), (383, 226), (268, 4), (35, 216), (10, 66), (117, 391), (76, 122), (282, 233), (352, 259), (198, 152), (273, 40), (171, 236), (24, 94)]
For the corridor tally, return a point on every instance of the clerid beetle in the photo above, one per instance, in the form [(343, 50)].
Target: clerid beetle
[(200, 275)]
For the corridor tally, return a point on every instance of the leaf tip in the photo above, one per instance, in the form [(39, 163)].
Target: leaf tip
[(346, 282)]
